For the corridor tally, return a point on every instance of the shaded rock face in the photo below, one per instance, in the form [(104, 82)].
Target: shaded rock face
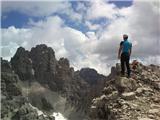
[(6, 66), (134, 98), (22, 64), (9, 80), (39, 65), (46, 105), (44, 63), (94, 80), (15, 106), (64, 73), (9, 85), (91, 76)]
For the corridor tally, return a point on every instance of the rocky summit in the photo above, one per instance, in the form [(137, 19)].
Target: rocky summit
[(37, 86), (135, 98)]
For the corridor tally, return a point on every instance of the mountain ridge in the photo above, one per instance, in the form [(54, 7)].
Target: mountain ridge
[(36, 81)]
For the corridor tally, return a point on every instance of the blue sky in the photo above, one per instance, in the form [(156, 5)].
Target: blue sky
[(88, 33), (19, 20)]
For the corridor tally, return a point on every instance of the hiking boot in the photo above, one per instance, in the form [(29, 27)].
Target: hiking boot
[(122, 75)]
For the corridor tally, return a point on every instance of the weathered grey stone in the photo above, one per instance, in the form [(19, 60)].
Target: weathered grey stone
[(6, 66), (145, 119), (137, 95), (128, 95), (143, 90), (124, 84), (22, 64), (154, 111)]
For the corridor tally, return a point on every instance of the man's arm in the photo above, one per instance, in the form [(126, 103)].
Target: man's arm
[(119, 51), (130, 50)]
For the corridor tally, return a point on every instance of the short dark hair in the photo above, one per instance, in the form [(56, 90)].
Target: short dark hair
[(125, 36)]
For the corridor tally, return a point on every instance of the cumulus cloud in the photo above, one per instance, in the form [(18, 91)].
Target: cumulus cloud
[(34, 8), (66, 41), (42, 8), (92, 26), (143, 31), (51, 31), (99, 9), (96, 49)]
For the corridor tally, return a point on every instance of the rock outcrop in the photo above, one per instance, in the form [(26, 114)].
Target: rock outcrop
[(22, 64), (15, 106), (91, 76), (41, 77), (135, 98)]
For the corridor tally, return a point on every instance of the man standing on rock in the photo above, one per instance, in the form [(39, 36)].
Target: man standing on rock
[(124, 54)]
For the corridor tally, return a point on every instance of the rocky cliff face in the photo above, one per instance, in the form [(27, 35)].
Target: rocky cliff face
[(49, 84), (135, 98), (15, 106)]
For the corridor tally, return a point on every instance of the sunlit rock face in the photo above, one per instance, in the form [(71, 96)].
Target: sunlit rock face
[(135, 98), (51, 85)]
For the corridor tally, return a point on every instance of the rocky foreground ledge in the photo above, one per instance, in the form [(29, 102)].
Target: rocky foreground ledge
[(135, 98)]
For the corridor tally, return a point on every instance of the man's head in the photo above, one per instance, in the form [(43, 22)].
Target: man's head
[(125, 37)]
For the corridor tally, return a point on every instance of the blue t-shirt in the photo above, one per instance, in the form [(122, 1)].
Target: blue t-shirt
[(126, 46)]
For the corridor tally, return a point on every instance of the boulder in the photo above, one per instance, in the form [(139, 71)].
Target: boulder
[(154, 111), (124, 84), (145, 119), (143, 90), (128, 95)]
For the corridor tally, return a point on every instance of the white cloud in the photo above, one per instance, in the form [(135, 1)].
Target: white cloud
[(93, 26), (99, 8), (42, 9), (81, 7), (143, 31), (66, 41), (92, 36), (34, 8), (92, 49)]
